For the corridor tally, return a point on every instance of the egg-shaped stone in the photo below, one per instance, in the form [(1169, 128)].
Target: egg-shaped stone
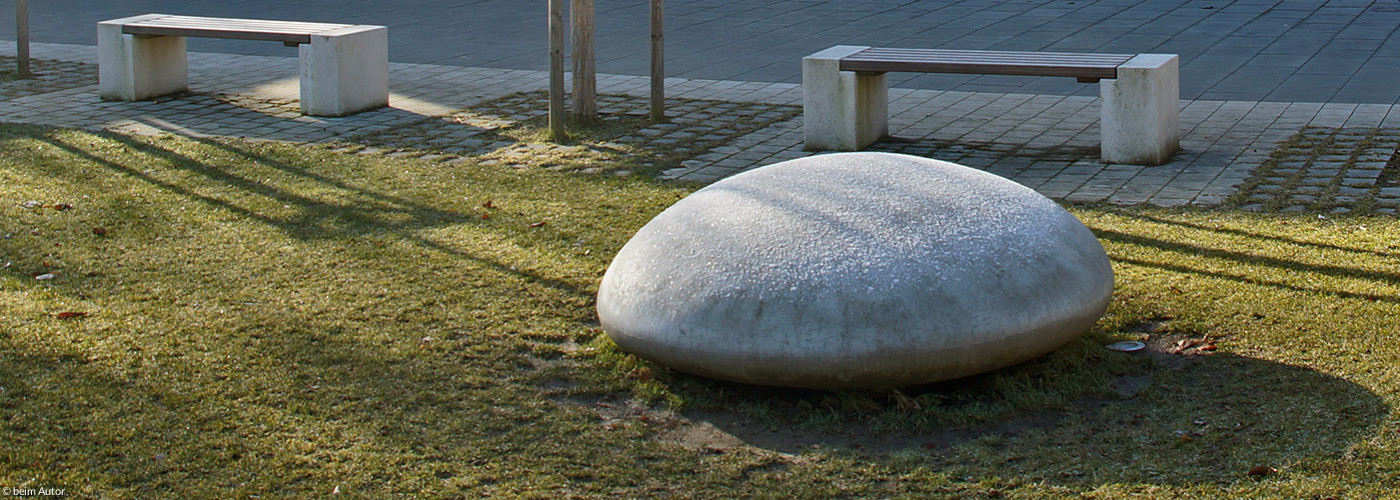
[(855, 270)]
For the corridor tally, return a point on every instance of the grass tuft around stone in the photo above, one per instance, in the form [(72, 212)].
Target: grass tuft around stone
[(208, 318)]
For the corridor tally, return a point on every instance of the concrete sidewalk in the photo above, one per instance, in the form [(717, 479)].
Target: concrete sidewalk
[(1047, 142)]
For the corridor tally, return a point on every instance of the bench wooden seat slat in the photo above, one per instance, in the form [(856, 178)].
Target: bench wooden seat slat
[(1083, 66), (176, 21), (1106, 62), (240, 29), (988, 53)]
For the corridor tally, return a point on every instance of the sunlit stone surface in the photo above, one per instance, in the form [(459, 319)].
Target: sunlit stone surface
[(855, 270)]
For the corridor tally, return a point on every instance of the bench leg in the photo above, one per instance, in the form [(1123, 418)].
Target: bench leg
[(1139, 116), (134, 68), (345, 71), (842, 110)]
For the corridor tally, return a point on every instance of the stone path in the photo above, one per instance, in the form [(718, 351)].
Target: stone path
[(1261, 155), (1250, 50)]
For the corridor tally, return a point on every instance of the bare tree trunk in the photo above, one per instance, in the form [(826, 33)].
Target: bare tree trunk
[(556, 70), (585, 107), (22, 30), (658, 62)]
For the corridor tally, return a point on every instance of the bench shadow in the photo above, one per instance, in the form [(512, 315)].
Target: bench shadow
[(984, 154), (207, 115)]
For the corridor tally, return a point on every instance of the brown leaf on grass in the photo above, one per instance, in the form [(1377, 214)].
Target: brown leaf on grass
[(1260, 471), (488, 204), (485, 216), (1183, 345), (70, 314), (61, 207), (538, 224), (100, 231)]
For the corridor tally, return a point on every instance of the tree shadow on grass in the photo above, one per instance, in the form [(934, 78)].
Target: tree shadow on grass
[(270, 397), (359, 212), (1184, 224)]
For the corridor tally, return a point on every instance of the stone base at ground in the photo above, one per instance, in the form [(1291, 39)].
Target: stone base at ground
[(855, 270)]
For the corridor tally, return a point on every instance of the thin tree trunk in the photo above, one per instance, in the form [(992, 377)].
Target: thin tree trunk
[(585, 107), (556, 70), (658, 62), (22, 32)]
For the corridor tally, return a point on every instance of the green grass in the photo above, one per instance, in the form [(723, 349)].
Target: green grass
[(282, 321)]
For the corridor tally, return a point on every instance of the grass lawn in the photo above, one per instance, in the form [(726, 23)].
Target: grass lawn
[(236, 319)]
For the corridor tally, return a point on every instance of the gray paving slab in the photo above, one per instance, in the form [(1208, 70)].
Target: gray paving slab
[(1247, 50)]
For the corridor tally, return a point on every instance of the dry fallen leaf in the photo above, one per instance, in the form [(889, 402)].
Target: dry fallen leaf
[(62, 206), (1261, 470), (488, 204), (100, 231), (46, 276), (70, 314), (538, 224)]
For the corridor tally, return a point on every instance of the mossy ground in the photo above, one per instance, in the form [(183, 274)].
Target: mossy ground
[(289, 321)]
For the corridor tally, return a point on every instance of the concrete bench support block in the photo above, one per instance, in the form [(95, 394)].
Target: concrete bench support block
[(842, 110), (1139, 111), (345, 71), (134, 68)]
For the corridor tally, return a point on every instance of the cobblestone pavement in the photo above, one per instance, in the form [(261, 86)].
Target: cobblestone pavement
[(1339, 170), (49, 76), (696, 127), (1258, 155)]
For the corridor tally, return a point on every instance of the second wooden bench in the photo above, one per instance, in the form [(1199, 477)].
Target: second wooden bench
[(845, 97)]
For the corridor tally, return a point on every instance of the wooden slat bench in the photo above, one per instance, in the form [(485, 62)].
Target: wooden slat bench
[(344, 67), (845, 100)]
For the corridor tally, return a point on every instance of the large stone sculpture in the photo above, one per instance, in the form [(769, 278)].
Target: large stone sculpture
[(855, 270)]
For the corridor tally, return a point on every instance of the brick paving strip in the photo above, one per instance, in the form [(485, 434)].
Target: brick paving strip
[(1258, 155)]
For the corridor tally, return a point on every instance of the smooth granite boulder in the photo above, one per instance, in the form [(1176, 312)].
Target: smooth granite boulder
[(855, 270)]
